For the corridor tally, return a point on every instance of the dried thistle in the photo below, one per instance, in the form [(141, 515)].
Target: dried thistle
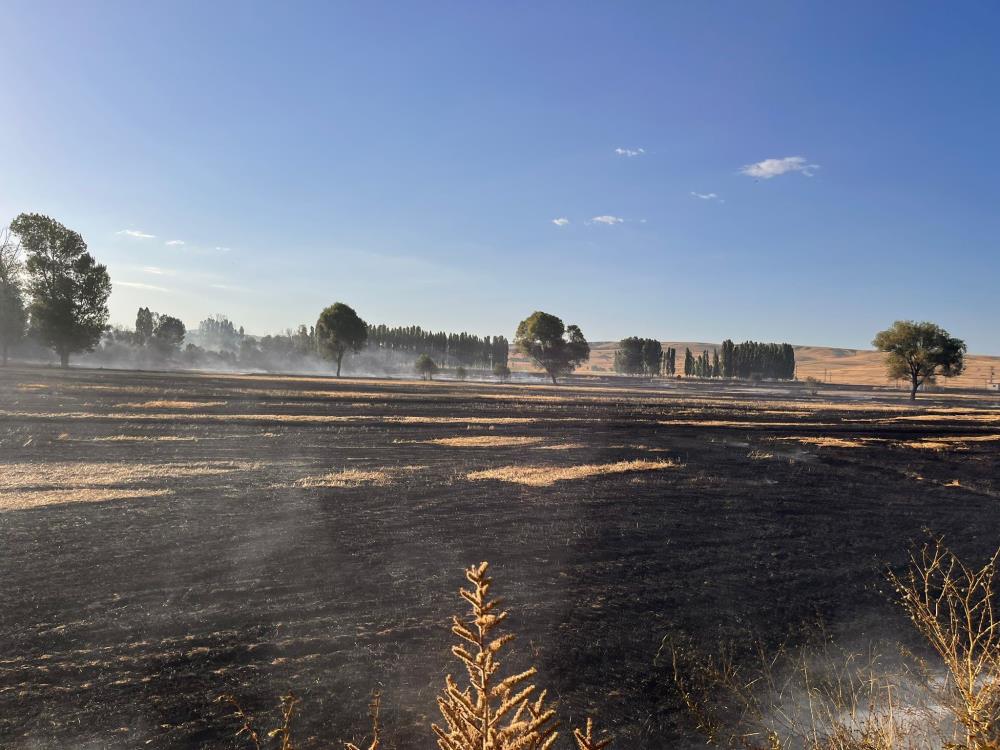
[(493, 712)]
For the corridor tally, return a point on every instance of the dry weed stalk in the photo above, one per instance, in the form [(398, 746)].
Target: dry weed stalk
[(586, 740), (952, 606), (373, 711), (492, 713)]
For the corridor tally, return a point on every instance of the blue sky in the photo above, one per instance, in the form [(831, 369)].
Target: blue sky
[(410, 160)]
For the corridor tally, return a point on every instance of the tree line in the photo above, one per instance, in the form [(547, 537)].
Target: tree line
[(52, 287), (448, 349), (642, 356)]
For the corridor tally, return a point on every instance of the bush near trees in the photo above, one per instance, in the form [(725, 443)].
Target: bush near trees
[(502, 372), (425, 367), (461, 373), (482, 353), (338, 331), (919, 352), (13, 316), (555, 347), (69, 290)]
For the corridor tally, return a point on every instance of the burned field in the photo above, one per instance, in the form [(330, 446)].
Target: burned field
[(169, 537)]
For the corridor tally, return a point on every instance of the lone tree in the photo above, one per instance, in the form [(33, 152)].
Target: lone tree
[(425, 366), (502, 372), (338, 331), (12, 313), (920, 352), (69, 289), (556, 348)]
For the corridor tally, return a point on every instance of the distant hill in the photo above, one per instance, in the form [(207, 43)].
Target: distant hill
[(834, 365)]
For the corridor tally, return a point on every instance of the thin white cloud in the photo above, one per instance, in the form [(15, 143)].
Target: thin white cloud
[(157, 271), (630, 151), (607, 220), (223, 249), (765, 170), (707, 196), (174, 243), (561, 221), (136, 234), (140, 285)]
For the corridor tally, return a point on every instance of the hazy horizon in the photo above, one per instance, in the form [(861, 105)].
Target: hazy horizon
[(778, 173)]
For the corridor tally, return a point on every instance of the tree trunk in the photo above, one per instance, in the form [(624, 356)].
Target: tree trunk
[(64, 359), (553, 379), (340, 358), (914, 384)]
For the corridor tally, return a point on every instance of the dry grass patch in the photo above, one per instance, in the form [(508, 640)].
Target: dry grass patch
[(27, 499), (828, 442), (561, 447), (950, 442), (485, 441), (175, 404), (356, 478), (544, 476), (79, 481)]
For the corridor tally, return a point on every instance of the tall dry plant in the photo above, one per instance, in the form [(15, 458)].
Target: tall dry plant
[(492, 712), (953, 606)]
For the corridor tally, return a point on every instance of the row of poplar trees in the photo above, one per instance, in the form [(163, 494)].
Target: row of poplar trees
[(482, 352), (751, 359)]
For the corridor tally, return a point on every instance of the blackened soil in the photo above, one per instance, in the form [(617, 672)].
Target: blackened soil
[(122, 620)]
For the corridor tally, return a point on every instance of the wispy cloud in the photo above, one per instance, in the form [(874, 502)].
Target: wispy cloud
[(223, 249), (158, 271), (174, 243), (630, 151), (140, 285), (606, 220), (561, 221), (765, 170), (136, 234), (707, 196)]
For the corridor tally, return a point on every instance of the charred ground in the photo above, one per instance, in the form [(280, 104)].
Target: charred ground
[(169, 537)]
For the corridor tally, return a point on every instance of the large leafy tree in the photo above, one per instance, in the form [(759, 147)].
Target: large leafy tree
[(13, 316), (69, 289), (168, 335), (556, 348), (919, 352), (338, 331)]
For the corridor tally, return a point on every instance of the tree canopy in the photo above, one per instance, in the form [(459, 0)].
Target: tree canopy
[(338, 331), (69, 289), (919, 352), (556, 348)]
